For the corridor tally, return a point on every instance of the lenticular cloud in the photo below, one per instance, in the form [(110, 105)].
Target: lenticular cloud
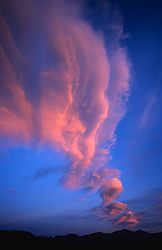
[(61, 85)]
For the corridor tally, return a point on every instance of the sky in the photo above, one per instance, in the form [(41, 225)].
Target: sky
[(80, 116)]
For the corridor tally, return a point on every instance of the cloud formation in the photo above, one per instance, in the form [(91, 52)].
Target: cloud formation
[(115, 208), (69, 93), (147, 116), (129, 219), (148, 208), (45, 171)]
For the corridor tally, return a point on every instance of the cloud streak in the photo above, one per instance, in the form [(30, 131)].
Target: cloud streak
[(129, 219), (81, 89), (44, 172), (115, 208), (146, 117)]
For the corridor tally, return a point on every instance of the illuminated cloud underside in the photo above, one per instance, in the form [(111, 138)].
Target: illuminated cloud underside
[(82, 95)]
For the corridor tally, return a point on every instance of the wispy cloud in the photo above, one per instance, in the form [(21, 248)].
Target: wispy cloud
[(148, 208), (129, 219), (45, 171), (149, 111), (13, 191), (72, 99), (115, 208)]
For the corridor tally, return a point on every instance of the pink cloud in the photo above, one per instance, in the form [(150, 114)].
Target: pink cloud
[(115, 208), (82, 97), (15, 109), (111, 190), (130, 220)]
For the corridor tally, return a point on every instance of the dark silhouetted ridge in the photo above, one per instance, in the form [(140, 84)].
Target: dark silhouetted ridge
[(123, 239)]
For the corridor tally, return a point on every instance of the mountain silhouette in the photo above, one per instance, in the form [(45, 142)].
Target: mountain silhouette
[(123, 239)]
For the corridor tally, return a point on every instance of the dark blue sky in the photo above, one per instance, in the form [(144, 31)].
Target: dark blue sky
[(45, 185)]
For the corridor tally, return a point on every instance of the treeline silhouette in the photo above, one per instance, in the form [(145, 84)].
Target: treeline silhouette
[(123, 239)]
